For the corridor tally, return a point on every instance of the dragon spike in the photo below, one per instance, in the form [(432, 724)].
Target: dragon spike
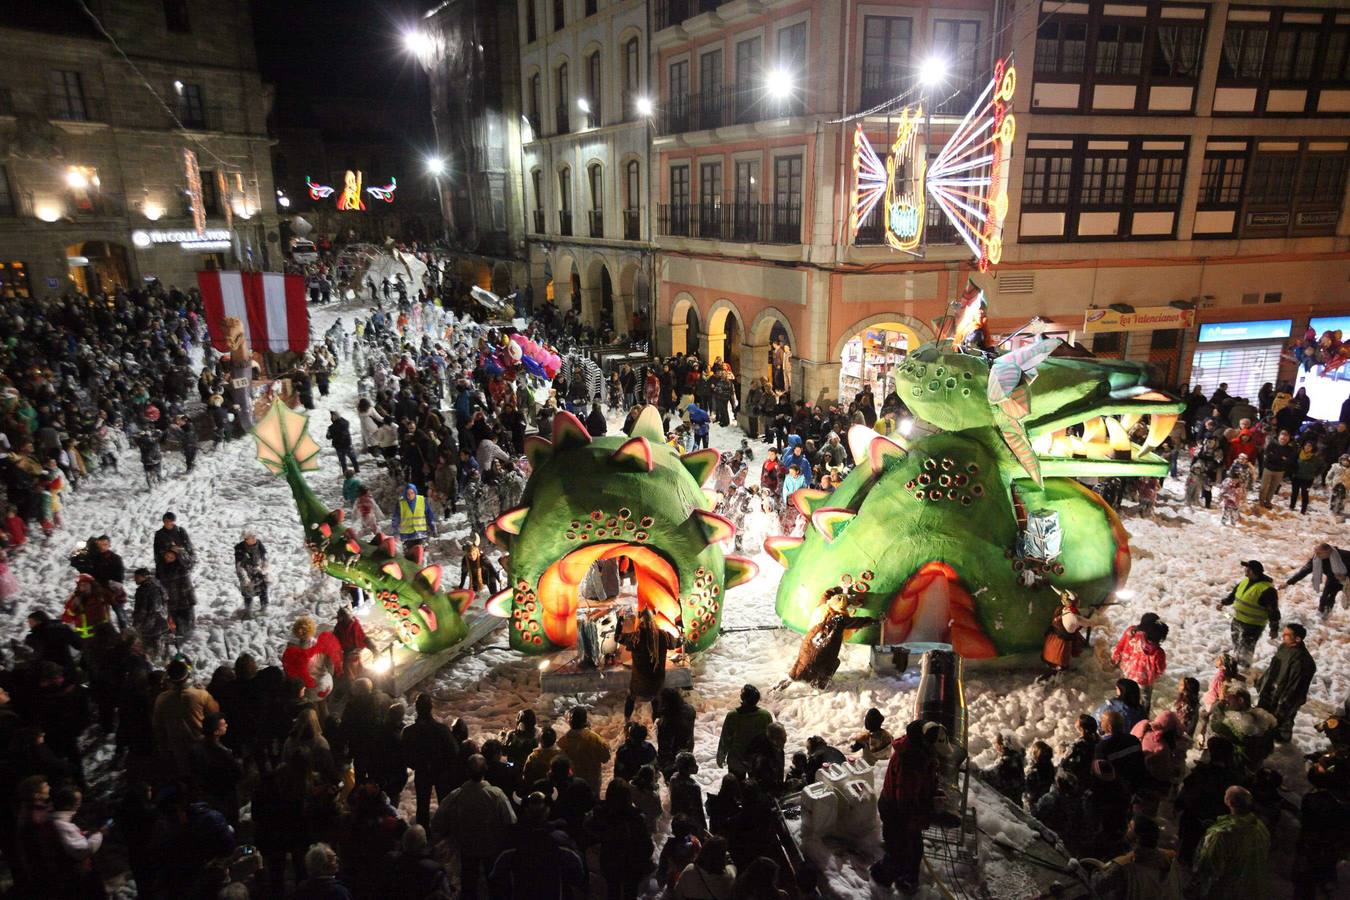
[(882, 452), (538, 450), (460, 600), (496, 536), (715, 528), (830, 520), (339, 516), (513, 520), (499, 604), (808, 500), (569, 432), (1159, 427), (392, 569), (325, 529), (389, 545), (635, 454), (739, 570), (353, 546), (432, 575), (783, 548), (701, 464), (860, 438), (649, 425)]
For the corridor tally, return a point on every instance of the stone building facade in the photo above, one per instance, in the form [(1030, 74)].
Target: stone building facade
[(584, 83), (94, 181)]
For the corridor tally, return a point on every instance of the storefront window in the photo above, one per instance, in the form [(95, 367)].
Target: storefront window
[(14, 280), (869, 357)]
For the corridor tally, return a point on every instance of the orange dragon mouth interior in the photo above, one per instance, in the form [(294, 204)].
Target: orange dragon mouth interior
[(658, 588), (934, 606)]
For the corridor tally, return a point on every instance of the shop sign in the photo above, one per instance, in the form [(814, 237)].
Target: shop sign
[(1148, 318), (210, 239), (1268, 219), (1265, 330)]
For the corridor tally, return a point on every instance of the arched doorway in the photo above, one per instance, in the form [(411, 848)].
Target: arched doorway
[(98, 267), (725, 334), (692, 332), (606, 300), (574, 286), (868, 357)]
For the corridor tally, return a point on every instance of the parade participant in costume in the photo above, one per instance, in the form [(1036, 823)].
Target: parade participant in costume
[(414, 521), (305, 655), (649, 645), (1065, 639), (818, 656)]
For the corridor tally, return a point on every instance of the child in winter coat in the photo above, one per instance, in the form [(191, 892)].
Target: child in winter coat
[(16, 530), (874, 743), (368, 514), (52, 488), (1226, 677), (1230, 500), (1040, 775), (1148, 496), (1140, 655), (1187, 705)]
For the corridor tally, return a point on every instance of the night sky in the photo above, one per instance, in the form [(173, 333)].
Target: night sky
[(310, 49)]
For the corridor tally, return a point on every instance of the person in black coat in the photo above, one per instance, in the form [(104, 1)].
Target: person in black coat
[(1284, 683), (649, 645), (429, 750), (595, 420), (170, 535), (1200, 800), (414, 871), (674, 729), (340, 436), (217, 772), (52, 641)]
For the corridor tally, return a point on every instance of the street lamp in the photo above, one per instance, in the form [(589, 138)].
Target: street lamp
[(584, 105), (778, 82), (435, 166), (418, 43), (645, 107), (933, 71)]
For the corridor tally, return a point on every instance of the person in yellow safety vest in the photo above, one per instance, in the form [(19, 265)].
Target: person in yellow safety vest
[(1256, 605), (414, 521)]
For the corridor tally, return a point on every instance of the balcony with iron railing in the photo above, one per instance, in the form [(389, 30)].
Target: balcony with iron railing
[(885, 81), (632, 225), (751, 223), (565, 223), (597, 222), (674, 12), (538, 221), (725, 106)]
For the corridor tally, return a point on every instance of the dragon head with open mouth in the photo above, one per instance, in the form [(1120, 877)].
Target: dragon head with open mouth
[(624, 497), (927, 529)]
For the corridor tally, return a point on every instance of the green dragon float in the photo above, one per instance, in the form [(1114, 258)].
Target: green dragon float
[(426, 618), (930, 534), (628, 496)]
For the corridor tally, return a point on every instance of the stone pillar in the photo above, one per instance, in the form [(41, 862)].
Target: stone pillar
[(811, 376), (711, 346), (590, 306), (679, 335), (754, 366), (623, 313)]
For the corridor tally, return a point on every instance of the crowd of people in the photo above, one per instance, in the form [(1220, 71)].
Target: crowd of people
[(286, 779)]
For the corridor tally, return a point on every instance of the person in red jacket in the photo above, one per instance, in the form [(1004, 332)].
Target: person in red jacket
[(771, 474), (1140, 655), (349, 633), (906, 804), (1248, 441), (304, 658)]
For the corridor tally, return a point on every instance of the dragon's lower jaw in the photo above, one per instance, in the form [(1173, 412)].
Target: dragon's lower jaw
[(932, 606), (658, 588)]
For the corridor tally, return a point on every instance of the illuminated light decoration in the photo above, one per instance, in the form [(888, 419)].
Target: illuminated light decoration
[(968, 179), (350, 198), (194, 189), (318, 191), (385, 193)]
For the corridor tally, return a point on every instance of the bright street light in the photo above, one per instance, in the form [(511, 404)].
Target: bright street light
[(284, 201), (932, 71), (645, 107), (584, 105), (778, 82), (418, 42), (435, 165)]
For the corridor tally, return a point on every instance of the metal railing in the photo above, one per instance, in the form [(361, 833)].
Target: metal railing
[(597, 221), (673, 12), (723, 107), (565, 223), (754, 223), (632, 225)]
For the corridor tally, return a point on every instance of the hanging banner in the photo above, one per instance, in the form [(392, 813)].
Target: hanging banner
[(1148, 318)]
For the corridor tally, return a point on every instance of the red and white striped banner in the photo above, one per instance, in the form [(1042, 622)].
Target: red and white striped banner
[(271, 306)]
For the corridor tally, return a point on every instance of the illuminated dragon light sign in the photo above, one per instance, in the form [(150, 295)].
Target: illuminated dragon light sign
[(349, 198), (968, 179)]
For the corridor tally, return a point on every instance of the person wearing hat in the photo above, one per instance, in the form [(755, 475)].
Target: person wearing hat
[(875, 741), (1256, 605), (178, 717), (250, 566)]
